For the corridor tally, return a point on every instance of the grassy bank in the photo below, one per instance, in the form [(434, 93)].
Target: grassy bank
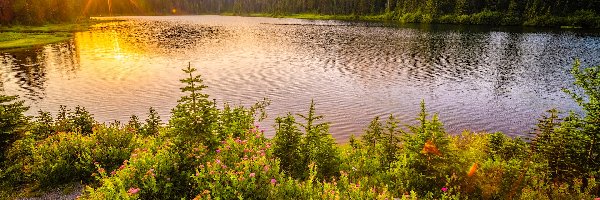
[(313, 16), (19, 36), (576, 20), (19, 40)]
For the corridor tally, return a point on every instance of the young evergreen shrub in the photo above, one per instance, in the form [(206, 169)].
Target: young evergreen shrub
[(390, 140), (427, 154), (12, 121), (134, 124), (195, 117), (287, 142), (80, 121), (43, 126), (83, 121), (153, 123), (318, 146), (583, 133), (373, 133)]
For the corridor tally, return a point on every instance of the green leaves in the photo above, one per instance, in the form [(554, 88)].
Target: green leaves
[(195, 117), (12, 121), (297, 151)]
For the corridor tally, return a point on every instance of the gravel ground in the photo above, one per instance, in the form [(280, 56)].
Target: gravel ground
[(57, 194)]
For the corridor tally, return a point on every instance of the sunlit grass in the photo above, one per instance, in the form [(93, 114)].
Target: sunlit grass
[(18, 36), (13, 40)]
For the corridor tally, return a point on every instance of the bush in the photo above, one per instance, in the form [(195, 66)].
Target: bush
[(486, 17), (12, 121), (62, 158), (297, 151), (72, 157)]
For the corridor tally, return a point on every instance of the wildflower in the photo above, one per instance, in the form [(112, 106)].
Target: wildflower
[(150, 172), (273, 181), (218, 150), (113, 173), (266, 168), (133, 191), (121, 167), (430, 148), (218, 161), (224, 166), (444, 189), (472, 170), (252, 174)]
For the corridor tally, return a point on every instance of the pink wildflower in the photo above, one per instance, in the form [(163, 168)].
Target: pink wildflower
[(266, 168), (218, 150), (218, 161), (252, 174), (444, 189), (133, 191), (273, 181)]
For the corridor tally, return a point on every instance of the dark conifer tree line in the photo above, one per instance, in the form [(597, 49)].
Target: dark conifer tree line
[(505, 12)]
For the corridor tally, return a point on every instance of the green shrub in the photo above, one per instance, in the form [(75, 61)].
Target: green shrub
[(153, 123), (486, 17), (80, 121), (195, 117), (62, 158), (71, 157), (318, 146), (288, 141), (12, 121)]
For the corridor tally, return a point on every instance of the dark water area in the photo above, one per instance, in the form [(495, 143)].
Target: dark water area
[(477, 78)]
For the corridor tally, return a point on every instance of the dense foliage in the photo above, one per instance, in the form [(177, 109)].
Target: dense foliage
[(206, 152), (505, 12)]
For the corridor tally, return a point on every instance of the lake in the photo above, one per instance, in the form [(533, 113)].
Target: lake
[(477, 78)]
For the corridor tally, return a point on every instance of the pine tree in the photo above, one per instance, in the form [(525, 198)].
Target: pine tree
[(373, 133), (318, 145), (287, 142), (195, 116), (135, 124), (391, 141), (153, 122)]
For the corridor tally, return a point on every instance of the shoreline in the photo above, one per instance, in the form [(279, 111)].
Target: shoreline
[(19, 37)]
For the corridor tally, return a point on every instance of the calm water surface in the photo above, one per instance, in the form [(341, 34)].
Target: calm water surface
[(476, 78)]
